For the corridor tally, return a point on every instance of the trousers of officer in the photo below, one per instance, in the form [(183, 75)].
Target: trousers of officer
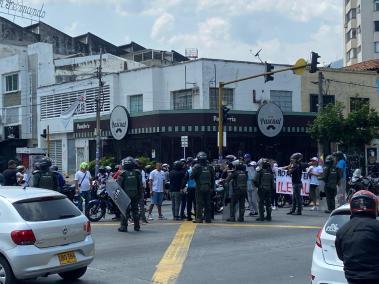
[(203, 202), (131, 212), (330, 197), (265, 201), (238, 197)]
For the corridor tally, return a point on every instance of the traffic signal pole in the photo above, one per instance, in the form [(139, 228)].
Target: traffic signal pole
[(221, 97)]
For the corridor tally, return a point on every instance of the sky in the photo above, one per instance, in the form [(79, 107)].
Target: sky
[(285, 30)]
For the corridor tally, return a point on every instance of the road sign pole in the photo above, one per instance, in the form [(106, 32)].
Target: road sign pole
[(184, 152)]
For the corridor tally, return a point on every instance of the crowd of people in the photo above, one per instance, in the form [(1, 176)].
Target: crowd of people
[(190, 184)]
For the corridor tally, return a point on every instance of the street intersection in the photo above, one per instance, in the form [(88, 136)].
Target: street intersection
[(182, 252)]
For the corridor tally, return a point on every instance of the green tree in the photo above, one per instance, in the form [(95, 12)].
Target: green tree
[(329, 124), (360, 127)]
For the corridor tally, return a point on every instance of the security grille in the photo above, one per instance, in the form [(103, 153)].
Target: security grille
[(55, 150), (12, 115), (54, 105)]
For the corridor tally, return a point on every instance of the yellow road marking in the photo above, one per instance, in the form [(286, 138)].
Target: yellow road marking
[(172, 261), (262, 226), (223, 225)]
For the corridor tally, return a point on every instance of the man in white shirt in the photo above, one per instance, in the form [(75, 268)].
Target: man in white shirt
[(83, 185), (314, 172), (156, 182)]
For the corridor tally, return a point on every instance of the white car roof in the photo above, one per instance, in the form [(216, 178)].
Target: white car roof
[(17, 193)]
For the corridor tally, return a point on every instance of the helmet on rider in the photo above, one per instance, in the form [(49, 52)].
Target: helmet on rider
[(128, 163), (296, 157), (202, 158), (20, 168), (266, 164), (108, 169), (178, 165), (364, 202), (45, 164), (329, 160), (247, 157), (84, 166)]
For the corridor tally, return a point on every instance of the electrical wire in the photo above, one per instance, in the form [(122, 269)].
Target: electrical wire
[(352, 83)]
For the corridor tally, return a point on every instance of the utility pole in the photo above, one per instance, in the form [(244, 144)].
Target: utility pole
[(320, 106), (48, 140), (220, 121), (98, 98)]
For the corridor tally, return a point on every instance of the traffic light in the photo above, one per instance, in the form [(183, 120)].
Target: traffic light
[(314, 62), (269, 68), (225, 114), (44, 133)]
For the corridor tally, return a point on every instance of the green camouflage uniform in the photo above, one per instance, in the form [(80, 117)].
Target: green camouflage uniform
[(264, 181), (239, 184)]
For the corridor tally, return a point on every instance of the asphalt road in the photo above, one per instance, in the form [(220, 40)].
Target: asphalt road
[(252, 252)]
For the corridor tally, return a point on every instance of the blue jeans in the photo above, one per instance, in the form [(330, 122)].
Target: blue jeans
[(86, 195)]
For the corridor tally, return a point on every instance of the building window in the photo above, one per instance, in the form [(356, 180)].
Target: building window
[(352, 53), (358, 103), (376, 26), (376, 5), (182, 99), (314, 101), (136, 103), (351, 34), (359, 9), (283, 99), (377, 47), (11, 83), (213, 97), (352, 14)]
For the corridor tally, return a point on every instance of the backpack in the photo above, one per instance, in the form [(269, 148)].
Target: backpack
[(241, 181)]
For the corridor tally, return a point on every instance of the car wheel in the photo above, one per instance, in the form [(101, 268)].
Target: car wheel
[(73, 274), (6, 273)]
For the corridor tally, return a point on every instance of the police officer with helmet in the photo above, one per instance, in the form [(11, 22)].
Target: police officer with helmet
[(204, 175), (264, 181), (43, 177), (239, 190), (130, 181), (357, 242), (331, 178)]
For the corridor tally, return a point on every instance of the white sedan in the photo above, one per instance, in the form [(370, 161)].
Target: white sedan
[(42, 233), (327, 268)]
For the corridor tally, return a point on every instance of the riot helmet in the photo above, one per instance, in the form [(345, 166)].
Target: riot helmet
[(178, 165), (266, 164), (202, 157), (128, 163), (364, 202), (44, 164), (329, 160), (296, 157)]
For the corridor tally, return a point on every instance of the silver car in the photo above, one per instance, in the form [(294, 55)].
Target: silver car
[(42, 233)]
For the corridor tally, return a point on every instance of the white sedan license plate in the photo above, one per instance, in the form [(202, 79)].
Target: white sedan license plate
[(67, 258)]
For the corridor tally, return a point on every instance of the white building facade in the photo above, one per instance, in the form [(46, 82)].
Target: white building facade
[(164, 103), (361, 30)]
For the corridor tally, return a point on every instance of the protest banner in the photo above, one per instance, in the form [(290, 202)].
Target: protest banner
[(284, 183)]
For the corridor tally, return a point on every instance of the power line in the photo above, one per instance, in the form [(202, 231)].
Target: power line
[(352, 83)]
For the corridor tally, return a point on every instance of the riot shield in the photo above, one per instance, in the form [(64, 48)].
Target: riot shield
[(118, 195)]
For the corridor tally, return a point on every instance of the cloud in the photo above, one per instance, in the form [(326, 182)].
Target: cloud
[(162, 25), (297, 10)]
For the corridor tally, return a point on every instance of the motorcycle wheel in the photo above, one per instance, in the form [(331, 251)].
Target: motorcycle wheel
[(306, 201), (95, 212), (281, 200)]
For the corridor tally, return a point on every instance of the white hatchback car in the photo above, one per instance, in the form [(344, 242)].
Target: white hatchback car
[(42, 233), (327, 268)]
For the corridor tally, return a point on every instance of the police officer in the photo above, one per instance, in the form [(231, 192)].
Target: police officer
[(204, 177), (43, 177), (331, 178), (264, 181), (131, 182), (239, 184), (357, 242)]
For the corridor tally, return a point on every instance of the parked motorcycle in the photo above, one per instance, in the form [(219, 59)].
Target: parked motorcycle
[(218, 197), (98, 207), (69, 190), (358, 182)]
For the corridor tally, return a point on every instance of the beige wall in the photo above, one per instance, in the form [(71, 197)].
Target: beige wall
[(342, 92)]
